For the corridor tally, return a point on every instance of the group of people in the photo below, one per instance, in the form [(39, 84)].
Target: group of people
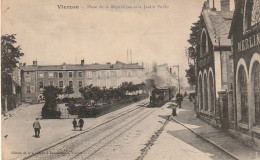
[(78, 124), (37, 126)]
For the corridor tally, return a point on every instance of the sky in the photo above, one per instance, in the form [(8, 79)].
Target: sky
[(99, 35)]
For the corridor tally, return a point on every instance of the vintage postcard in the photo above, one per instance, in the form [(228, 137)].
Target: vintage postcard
[(130, 79)]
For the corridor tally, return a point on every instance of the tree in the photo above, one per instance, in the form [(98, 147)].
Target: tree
[(49, 109), (193, 54), (190, 74), (10, 54), (68, 90)]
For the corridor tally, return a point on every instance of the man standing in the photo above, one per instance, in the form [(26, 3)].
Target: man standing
[(74, 124), (37, 128), (81, 123)]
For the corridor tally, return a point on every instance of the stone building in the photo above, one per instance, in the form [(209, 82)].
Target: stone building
[(213, 65), (244, 114), (11, 92), (107, 75)]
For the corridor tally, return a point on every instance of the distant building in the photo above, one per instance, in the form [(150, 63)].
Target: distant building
[(213, 64), (244, 113), (164, 71), (103, 75)]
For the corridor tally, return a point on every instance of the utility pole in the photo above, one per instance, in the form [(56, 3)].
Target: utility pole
[(178, 77)]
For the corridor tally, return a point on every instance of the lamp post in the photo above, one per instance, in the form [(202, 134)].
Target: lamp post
[(178, 77)]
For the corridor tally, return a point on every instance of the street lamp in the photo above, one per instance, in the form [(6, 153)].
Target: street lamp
[(178, 77)]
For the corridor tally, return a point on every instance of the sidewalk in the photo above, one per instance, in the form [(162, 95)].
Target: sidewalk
[(18, 134), (185, 117), (10, 113)]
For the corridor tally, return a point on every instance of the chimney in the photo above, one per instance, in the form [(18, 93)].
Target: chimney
[(225, 5), (24, 64), (206, 5), (34, 63), (82, 62)]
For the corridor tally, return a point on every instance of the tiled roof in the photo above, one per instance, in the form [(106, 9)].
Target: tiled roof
[(82, 67), (218, 25)]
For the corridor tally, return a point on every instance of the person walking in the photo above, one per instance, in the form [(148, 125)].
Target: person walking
[(81, 123), (74, 124), (37, 128)]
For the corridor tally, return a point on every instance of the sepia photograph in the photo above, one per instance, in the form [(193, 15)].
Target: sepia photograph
[(130, 79)]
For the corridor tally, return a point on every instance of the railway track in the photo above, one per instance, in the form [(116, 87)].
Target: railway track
[(87, 143)]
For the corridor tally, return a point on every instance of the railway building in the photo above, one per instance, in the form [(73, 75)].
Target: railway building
[(213, 63), (244, 112)]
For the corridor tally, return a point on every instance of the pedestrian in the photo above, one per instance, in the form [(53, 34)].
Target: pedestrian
[(81, 123), (195, 107), (174, 111), (37, 128), (74, 124)]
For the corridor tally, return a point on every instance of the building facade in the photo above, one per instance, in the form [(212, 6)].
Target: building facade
[(213, 65), (11, 91), (102, 75), (245, 36)]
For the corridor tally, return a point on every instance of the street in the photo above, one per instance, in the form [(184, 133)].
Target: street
[(139, 133)]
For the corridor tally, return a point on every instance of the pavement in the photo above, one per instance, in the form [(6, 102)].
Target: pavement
[(18, 134), (8, 114), (173, 134)]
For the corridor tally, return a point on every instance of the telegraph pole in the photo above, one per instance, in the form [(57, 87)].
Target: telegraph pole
[(178, 77)]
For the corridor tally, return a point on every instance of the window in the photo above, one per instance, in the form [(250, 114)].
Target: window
[(28, 89), (60, 75), (70, 74), (256, 79), (61, 84), (80, 84), (129, 73), (80, 74), (255, 18), (124, 73), (205, 92), (71, 84), (103, 74), (51, 75), (243, 93), (94, 74), (51, 83), (252, 14), (108, 74), (98, 74), (40, 75), (204, 43), (113, 73), (89, 74), (41, 84), (118, 73)]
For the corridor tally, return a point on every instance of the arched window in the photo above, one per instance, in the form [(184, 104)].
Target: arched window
[(204, 43), (200, 93), (242, 80), (252, 14), (205, 90), (256, 83), (211, 92)]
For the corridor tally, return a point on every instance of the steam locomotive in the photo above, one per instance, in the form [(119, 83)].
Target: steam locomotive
[(160, 96)]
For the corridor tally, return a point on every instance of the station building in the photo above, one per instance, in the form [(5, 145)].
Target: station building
[(213, 64), (35, 77), (244, 114)]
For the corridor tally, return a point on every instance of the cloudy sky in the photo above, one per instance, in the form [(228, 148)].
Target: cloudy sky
[(54, 36)]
